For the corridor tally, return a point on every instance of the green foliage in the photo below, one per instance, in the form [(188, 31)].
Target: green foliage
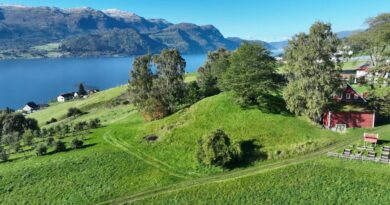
[(41, 150), (16, 122), (251, 75), (82, 90), (379, 100), (375, 40), (158, 95), (4, 155), (73, 112), (59, 146), (94, 123), (312, 74), (28, 138), (211, 73), (194, 93), (169, 86), (80, 126), (77, 144), (216, 149)]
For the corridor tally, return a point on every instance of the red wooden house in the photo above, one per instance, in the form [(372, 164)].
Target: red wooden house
[(351, 118)]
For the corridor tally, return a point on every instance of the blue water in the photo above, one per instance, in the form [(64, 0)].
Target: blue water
[(42, 80)]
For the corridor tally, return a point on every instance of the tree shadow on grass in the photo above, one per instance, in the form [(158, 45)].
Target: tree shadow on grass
[(274, 104), (250, 153), (382, 142)]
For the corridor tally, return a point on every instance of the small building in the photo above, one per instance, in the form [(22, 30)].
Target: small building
[(362, 71), (350, 111), (30, 107), (66, 96)]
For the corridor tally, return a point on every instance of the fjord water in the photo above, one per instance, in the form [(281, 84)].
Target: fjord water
[(42, 80)]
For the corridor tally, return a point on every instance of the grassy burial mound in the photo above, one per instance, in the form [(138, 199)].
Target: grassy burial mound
[(175, 140)]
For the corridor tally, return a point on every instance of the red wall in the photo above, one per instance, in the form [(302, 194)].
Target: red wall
[(351, 119)]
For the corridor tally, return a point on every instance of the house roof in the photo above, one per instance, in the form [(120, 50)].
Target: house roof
[(361, 96), (32, 105), (65, 95), (364, 67)]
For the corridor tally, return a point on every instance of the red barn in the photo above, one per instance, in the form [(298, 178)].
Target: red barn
[(352, 118)]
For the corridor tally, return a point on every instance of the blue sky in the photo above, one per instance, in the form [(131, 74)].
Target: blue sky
[(270, 20)]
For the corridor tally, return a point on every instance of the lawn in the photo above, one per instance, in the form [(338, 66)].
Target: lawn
[(352, 65), (321, 181)]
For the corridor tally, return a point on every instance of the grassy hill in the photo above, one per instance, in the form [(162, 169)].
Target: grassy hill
[(118, 161)]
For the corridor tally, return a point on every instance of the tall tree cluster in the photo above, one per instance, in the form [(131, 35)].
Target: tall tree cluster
[(211, 73), (251, 75), (313, 71), (158, 94)]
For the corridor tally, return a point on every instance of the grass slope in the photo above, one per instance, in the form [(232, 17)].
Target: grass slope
[(118, 161), (325, 181)]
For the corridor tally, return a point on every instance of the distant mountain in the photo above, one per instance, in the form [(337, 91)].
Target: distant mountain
[(86, 31), (279, 45), (263, 43)]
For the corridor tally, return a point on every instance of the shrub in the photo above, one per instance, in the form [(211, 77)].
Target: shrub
[(72, 112), (94, 123), (52, 120), (77, 144), (41, 150), (3, 155), (59, 146), (80, 126), (216, 150)]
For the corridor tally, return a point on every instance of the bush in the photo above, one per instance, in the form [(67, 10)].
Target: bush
[(94, 123), (72, 112), (80, 126), (77, 144), (216, 150), (3, 155), (59, 146), (52, 120), (41, 150)]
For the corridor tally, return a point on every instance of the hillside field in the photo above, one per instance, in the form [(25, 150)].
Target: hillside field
[(118, 161)]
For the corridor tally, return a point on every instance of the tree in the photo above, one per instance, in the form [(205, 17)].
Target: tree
[(211, 73), (77, 144), (74, 112), (82, 90), (41, 150), (193, 93), (312, 73), (215, 149), (375, 40), (94, 123), (379, 100), (169, 87), (141, 81), (59, 146), (251, 75), (28, 138), (80, 126)]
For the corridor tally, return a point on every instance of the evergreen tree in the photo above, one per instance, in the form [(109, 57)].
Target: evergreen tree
[(312, 71), (251, 75), (82, 90)]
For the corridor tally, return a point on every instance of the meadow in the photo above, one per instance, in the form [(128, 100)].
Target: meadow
[(118, 161), (320, 181)]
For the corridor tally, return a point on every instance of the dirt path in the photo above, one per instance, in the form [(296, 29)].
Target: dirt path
[(228, 176)]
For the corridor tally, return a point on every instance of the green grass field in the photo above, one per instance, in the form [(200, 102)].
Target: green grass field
[(118, 161), (320, 181), (352, 65)]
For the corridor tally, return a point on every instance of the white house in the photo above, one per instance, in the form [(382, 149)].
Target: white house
[(362, 71), (66, 96), (30, 107)]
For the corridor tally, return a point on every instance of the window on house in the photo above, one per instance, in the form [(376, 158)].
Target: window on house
[(355, 97), (348, 96)]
